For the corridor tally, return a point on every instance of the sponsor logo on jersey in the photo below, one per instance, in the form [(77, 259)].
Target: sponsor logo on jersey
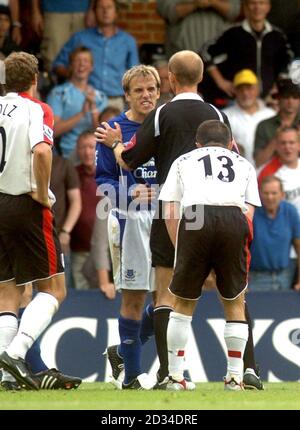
[(145, 173)]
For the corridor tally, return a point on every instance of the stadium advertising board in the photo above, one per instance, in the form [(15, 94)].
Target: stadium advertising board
[(87, 322)]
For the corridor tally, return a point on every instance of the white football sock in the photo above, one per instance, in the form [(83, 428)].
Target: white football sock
[(8, 330), (36, 317), (236, 336), (177, 337)]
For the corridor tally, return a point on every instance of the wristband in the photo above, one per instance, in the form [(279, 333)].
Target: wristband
[(115, 144)]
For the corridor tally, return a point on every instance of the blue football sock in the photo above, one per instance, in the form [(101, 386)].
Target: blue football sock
[(33, 356), (130, 348), (147, 329)]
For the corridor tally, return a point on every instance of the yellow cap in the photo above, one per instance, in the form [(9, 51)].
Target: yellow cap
[(245, 76)]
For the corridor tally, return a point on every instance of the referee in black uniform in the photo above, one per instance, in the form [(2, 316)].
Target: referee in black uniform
[(168, 132)]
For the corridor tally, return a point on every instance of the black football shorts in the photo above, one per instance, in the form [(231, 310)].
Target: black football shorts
[(222, 244), (29, 246)]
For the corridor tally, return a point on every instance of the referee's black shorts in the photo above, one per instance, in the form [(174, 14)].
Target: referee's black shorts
[(162, 249), (221, 244), (29, 246)]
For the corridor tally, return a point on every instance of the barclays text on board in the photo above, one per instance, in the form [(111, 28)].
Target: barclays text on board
[(87, 323)]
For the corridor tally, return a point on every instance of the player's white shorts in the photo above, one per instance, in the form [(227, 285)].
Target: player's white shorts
[(130, 249)]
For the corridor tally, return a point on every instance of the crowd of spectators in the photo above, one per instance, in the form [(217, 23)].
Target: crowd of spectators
[(248, 47)]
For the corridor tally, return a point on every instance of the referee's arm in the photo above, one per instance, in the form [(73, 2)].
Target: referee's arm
[(140, 149), (112, 138)]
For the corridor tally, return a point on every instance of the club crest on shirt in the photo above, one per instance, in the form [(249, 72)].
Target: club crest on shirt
[(130, 275)]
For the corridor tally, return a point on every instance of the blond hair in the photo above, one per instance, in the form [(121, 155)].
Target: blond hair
[(140, 70)]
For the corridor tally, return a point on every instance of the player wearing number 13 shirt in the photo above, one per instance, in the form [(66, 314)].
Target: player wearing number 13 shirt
[(217, 190)]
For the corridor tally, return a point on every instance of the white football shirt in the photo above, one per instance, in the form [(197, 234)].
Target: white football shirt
[(290, 179), (24, 122), (211, 176), (243, 125)]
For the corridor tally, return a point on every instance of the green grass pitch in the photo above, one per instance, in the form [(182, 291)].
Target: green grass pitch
[(101, 396)]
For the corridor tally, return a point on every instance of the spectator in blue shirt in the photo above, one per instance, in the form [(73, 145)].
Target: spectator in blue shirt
[(56, 21), (276, 228), (114, 52), (76, 104)]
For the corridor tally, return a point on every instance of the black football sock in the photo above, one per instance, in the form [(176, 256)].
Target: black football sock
[(249, 359), (160, 323)]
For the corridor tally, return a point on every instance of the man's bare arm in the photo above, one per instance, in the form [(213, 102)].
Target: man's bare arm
[(42, 162), (15, 17)]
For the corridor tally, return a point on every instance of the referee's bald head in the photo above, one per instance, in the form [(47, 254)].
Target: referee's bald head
[(187, 67), (214, 133)]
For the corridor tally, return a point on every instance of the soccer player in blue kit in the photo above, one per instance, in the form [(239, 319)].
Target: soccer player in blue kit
[(129, 225)]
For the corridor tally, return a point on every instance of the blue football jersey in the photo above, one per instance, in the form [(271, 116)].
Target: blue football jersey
[(109, 173)]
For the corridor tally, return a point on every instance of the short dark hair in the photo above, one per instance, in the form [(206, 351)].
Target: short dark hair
[(79, 50), (213, 132), (287, 88), (269, 179), (110, 111), (116, 3), (286, 129), (85, 133), (4, 10)]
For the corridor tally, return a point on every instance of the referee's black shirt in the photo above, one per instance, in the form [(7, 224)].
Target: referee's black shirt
[(168, 132)]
